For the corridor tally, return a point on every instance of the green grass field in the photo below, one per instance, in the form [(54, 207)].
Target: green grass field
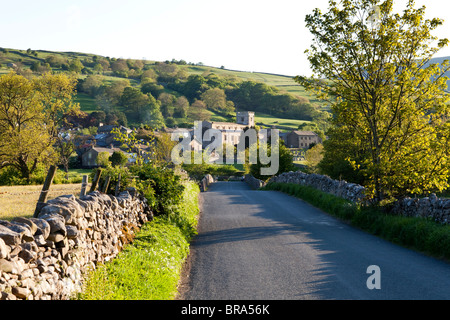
[(283, 83), (87, 103), (280, 123)]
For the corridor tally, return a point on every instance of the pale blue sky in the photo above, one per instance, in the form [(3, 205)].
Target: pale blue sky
[(248, 35)]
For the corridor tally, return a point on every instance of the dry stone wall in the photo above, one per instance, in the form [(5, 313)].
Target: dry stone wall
[(206, 182), (432, 207), (341, 188), (45, 258), (253, 182)]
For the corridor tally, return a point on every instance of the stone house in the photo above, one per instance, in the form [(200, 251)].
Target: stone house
[(89, 158), (301, 139)]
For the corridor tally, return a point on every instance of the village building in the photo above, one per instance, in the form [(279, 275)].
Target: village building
[(89, 158), (103, 141), (105, 137), (301, 139), (231, 132)]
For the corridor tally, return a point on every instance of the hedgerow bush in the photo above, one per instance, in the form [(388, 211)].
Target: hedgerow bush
[(161, 186)]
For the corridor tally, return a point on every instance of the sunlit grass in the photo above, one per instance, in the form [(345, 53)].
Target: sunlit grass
[(20, 201), (150, 267)]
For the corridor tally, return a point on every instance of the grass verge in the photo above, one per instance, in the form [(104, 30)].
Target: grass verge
[(416, 233), (150, 267)]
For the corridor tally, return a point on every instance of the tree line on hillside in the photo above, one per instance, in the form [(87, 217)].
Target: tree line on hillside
[(164, 93), (167, 95)]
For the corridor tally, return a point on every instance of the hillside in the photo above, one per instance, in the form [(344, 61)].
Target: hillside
[(172, 93), (275, 97), (282, 82)]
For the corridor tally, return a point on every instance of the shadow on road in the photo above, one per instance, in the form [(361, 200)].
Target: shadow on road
[(313, 255), (270, 221)]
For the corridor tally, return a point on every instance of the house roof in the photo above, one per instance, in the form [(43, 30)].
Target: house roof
[(227, 123), (109, 150), (233, 126), (108, 128), (304, 133), (101, 136)]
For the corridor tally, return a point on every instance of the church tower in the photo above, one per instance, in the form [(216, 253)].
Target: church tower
[(246, 118)]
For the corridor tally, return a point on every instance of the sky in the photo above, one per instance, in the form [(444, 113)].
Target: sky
[(245, 35)]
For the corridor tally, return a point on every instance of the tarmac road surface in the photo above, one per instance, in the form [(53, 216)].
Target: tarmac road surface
[(268, 245)]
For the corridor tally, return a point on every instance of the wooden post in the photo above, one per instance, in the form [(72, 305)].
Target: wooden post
[(117, 186), (106, 184), (96, 180), (45, 188), (84, 185)]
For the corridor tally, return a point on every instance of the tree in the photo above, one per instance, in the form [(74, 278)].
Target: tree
[(152, 88), (148, 75), (24, 140), (92, 84), (98, 68), (57, 92), (167, 72), (285, 160), (198, 112), (119, 66), (134, 101), (215, 99), (194, 87), (385, 95), (118, 159), (32, 113), (65, 147), (167, 101), (163, 148), (152, 115), (313, 157), (103, 159), (76, 66), (35, 66), (108, 97), (181, 107), (57, 96), (56, 61)]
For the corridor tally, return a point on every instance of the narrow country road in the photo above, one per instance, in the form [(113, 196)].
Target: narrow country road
[(268, 245)]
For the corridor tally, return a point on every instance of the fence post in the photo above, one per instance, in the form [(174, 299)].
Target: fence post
[(84, 185), (45, 188), (116, 193), (106, 184), (98, 173)]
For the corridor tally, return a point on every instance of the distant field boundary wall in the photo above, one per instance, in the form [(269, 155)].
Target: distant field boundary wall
[(45, 258)]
